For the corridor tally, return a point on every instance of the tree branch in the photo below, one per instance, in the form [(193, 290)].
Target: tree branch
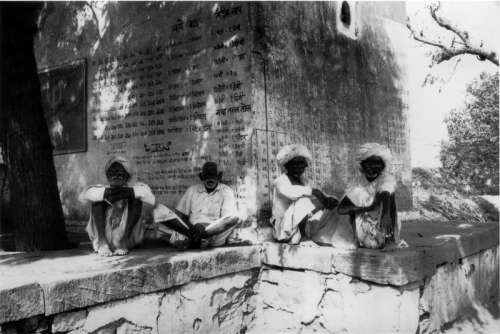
[(442, 22), (446, 52)]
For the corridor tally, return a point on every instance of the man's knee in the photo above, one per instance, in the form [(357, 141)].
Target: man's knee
[(232, 221), (135, 209), (98, 207)]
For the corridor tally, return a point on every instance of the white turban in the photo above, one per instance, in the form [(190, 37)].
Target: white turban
[(122, 161), (289, 152), (374, 149)]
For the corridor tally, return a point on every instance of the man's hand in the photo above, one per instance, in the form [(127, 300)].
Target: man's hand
[(114, 194), (196, 233), (321, 197), (328, 202), (331, 203)]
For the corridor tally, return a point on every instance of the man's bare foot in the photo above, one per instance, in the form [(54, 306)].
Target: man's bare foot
[(104, 250), (392, 245), (308, 243), (120, 251)]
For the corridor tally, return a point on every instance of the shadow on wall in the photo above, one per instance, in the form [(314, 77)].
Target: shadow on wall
[(110, 32), (332, 90)]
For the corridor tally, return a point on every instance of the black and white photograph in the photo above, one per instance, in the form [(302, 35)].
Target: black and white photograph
[(249, 167)]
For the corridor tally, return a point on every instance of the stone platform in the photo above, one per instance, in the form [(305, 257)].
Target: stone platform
[(260, 288)]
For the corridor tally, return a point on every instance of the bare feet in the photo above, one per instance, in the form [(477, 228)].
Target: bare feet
[(308, 243), (120, 251), (392, 246), (103, 250)]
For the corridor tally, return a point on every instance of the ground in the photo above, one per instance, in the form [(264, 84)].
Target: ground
[(435, 200)]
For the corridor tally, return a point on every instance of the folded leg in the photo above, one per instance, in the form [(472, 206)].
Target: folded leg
[(96, 229), (217, 232), (133, 233)]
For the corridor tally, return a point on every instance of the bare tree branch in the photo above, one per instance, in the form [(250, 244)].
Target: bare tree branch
[(444, 23), (456, 48)]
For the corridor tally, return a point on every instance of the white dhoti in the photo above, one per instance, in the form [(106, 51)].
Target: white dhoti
[(325, 227), (220, 228)]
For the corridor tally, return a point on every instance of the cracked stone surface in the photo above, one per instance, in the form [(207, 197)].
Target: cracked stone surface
[(137, 312), (271, 288), (459, 287), (68, 321), (307, 301), (224, 305), (54, 282)]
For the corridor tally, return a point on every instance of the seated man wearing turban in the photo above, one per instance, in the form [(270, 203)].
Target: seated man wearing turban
[(206, 214), (116, 212), (370, 201), (297, 206)]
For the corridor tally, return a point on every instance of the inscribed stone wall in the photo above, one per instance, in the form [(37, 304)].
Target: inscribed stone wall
[(332, 92), (167, 87), (182, 104), (171, 85)]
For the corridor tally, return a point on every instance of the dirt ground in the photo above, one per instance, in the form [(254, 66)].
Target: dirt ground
[(434, 200)]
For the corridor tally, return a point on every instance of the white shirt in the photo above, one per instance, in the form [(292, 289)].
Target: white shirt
[(95, 193), (362, 193), (204, 207), (284, 193)]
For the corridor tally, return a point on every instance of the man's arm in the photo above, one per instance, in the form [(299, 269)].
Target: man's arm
[(92, 194), (347, 207), (291, 191)]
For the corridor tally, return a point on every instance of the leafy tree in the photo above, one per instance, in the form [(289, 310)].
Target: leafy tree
[(470, 158)]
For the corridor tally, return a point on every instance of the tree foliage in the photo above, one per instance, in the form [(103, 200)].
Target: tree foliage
[(470, 158)]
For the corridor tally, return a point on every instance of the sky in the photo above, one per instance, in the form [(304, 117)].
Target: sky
[(430, 104)]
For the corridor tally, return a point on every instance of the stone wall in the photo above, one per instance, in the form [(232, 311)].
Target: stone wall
[(167, 87), (459, 288), (298, 300), (224, 304), (331, 87), (171, 85), (450, 271), (289, 299)]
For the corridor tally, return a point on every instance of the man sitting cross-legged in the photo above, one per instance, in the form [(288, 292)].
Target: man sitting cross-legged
[(298, 210), (116, 212), (206, 213)]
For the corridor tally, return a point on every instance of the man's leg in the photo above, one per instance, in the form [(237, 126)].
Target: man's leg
[(219, 226), (394, 241), (98, 213), (217, 232), (134, 214)]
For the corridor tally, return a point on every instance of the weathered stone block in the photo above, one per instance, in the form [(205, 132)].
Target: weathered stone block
[(146, 272), (306, 301), (68, 321), (138, 312), (460, 287), (19, 301), (222, 305)]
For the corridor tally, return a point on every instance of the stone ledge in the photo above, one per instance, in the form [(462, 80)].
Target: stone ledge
[(53, 282), (431, 244)]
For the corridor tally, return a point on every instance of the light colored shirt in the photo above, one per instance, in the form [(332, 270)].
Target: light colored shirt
[(95, 193), (362, 192), (204, 207), (285, 193)]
